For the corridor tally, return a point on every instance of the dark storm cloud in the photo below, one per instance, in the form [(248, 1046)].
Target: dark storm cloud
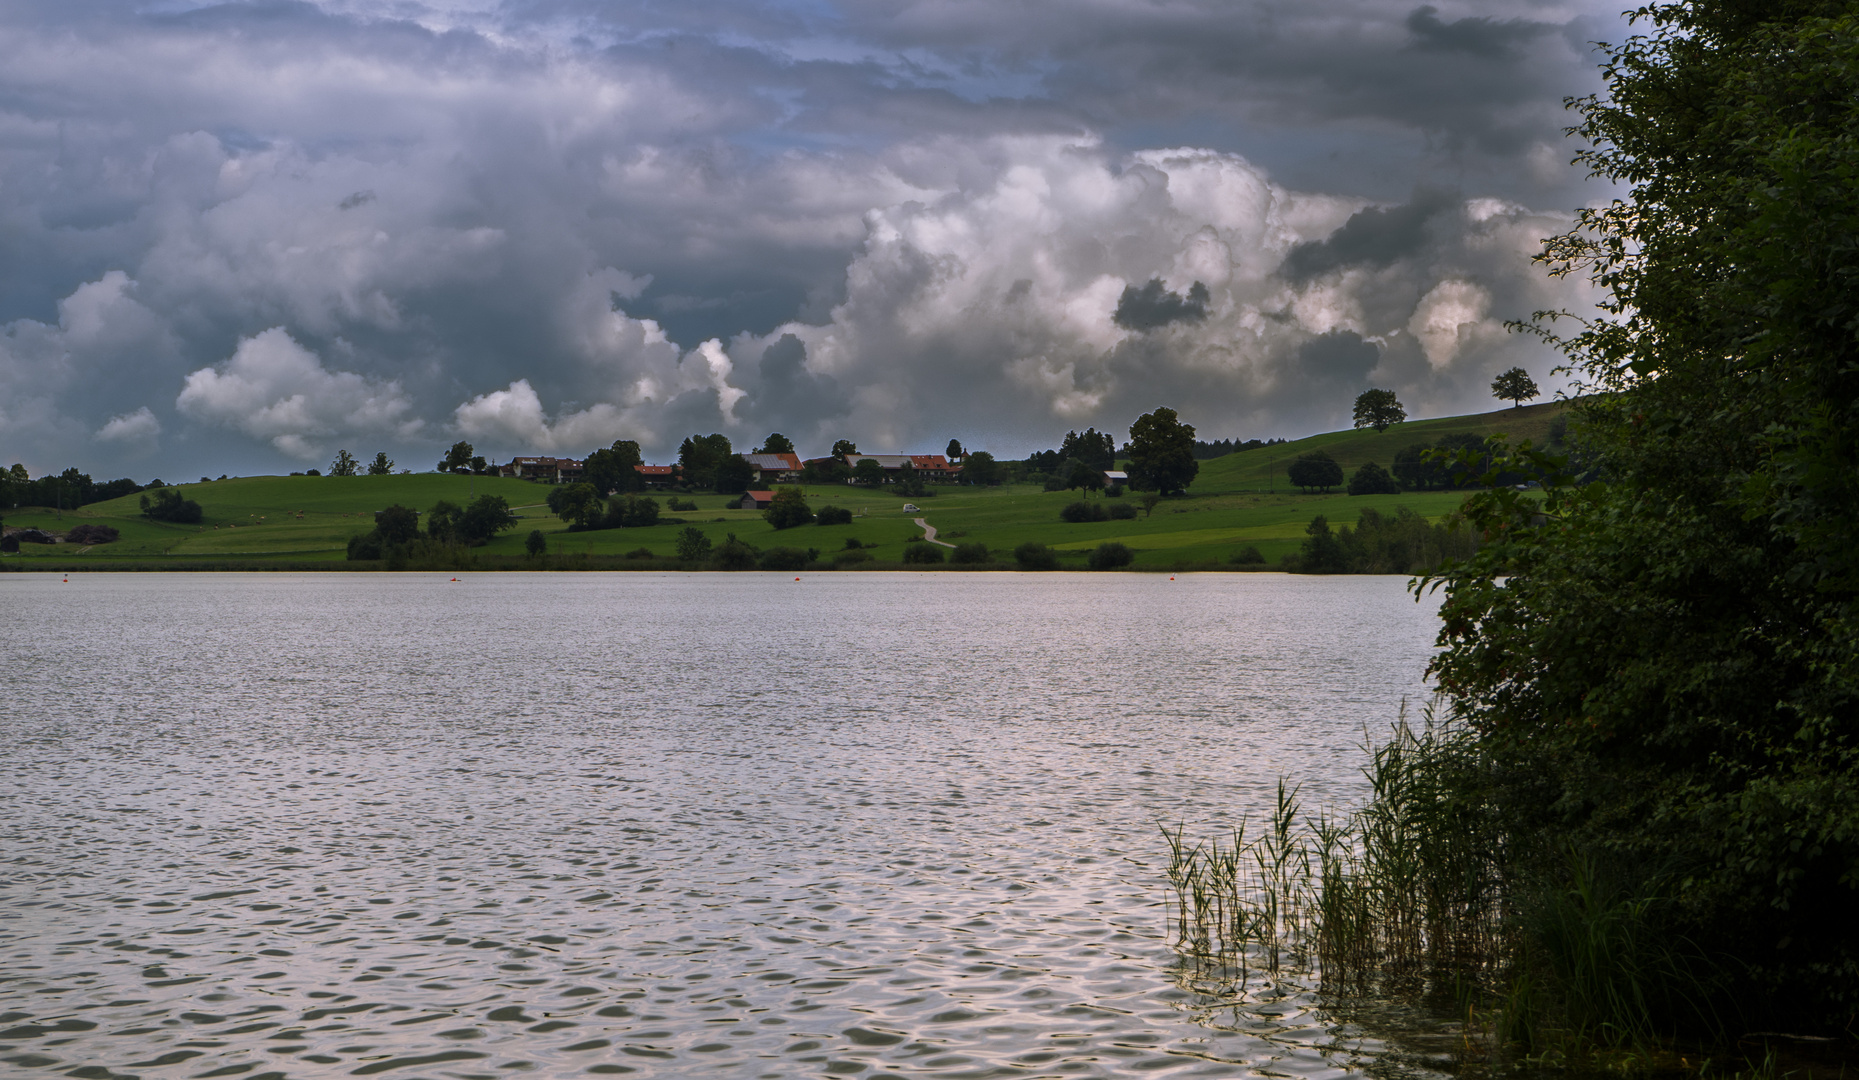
[(1338, 356), (278, 228), (1153, 306), (1374, 236)]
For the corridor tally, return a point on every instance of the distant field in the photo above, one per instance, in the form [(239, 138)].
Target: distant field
[(1239, 500)]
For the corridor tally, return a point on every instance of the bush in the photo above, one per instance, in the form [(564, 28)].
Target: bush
[(693, 545), (641, 553), (676, 505), (1031, 556), (854, 542), (851, 558), (1123, 512), (1372, 479), (969, 553), (787, 509), (735, 555), (1111, 556), (91, 534), (785, 558), (1114, 491), (1247, 556), (535, 543), (833, 515), (632, 512), (9, 544), (168, 505), (922, 554), (1080, 512), (1315, 471)]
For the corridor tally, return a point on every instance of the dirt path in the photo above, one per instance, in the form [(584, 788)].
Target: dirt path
[(929, 533)]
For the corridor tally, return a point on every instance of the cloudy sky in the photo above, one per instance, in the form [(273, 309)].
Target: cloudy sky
[(239, 237)]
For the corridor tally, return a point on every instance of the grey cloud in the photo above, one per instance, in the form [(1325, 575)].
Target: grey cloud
[(1478, 36), (1374, 236), (1153, 306), (1338, 356)]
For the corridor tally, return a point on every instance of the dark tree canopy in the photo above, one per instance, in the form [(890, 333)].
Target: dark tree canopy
[(1094, 448), (1372, 479), (614, 469), (458, 458), (787, 509), (579, 504), (381, 465), (167, 504), (699, 457), (1662, 669), (843, 447), (1514, 385), (1315, 471), (344, 465), (733, 475), (1378, 409), (954, 450), (868, 472), (981, 468), (776, 443), (1162, 453), (397, 524)]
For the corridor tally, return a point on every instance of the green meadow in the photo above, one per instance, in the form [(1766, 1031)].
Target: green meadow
[(305, 521)]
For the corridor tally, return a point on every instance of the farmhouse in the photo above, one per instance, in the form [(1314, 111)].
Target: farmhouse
[(756, 500), (774, 468), (546, 469), (927, 466), (657, 476)]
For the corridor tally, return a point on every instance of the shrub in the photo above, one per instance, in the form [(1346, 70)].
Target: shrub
[(1080, 512), (1123, 512), (853, 542), (787, 509), (535, 543), (675, 504), (833, 515), (1114, 491), (922, 553), (1031, 556), (1372, 479), (91, 534), (641, 553), (735, 555), (1110, 556), (168, 505), (693, 545), (851, 558), (1247, 556), (785, 558), (969, 553), (1315, 471), (632, 512)]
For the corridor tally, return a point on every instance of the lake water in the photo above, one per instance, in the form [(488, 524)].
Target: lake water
[(655, 825)]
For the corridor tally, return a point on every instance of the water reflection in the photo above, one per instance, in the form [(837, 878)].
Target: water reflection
[(564, 825)]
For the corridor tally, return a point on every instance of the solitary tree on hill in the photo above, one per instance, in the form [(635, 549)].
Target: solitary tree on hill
[(1378, 409), (1315, 471), (776, 443), (344, 465), (1514, 385), (381, 465), (458, 458), (844, 447), (1162, 453)]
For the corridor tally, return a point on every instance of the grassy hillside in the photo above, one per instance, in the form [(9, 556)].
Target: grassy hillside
[(1264, 468), (299, 520)]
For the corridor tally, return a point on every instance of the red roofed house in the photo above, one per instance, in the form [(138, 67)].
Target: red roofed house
[(774, 468), (552, 470), (657, 476), (756, 500)]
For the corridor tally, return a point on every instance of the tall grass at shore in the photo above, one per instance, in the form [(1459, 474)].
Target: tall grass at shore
[(1415, 896)]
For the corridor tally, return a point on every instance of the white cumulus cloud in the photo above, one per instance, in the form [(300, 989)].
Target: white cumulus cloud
[(275, 389)]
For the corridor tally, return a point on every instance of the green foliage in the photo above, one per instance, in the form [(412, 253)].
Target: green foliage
[(381, 465), (1247, 556), (1122, 512), (787, 509), (954, 450), (786, 558), (458, 458), (693, 545), (344, 465), (969, 554), (640, 553), (1514, 385), (1095, 450), (1110, 556), (1315, 471), (631, 511), (844, 447), (579, 504), (535, 543), (485, 517), (397, 524), (1162, 453), (166, 504), (833, 515), (698, 458), (1372, 479), (734, 554), (1031, 556), (868, 472), (1378, 409), (776, 443), (1322, 553), (613, 469), (733, 475), (921, 553), (851, 558), (1661, 668), (1079, 513), (1082, 474)]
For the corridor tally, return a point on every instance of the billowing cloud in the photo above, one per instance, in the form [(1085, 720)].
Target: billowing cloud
[(139, 428), (277, 227), (275, 389)]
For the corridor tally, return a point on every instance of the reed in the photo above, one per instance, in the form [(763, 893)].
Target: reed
[(1416, 895)]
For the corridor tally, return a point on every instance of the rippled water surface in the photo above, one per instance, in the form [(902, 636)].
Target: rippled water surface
[(657, 825)]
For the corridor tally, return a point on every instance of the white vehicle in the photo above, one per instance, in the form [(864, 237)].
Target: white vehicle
[(911, 508)]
